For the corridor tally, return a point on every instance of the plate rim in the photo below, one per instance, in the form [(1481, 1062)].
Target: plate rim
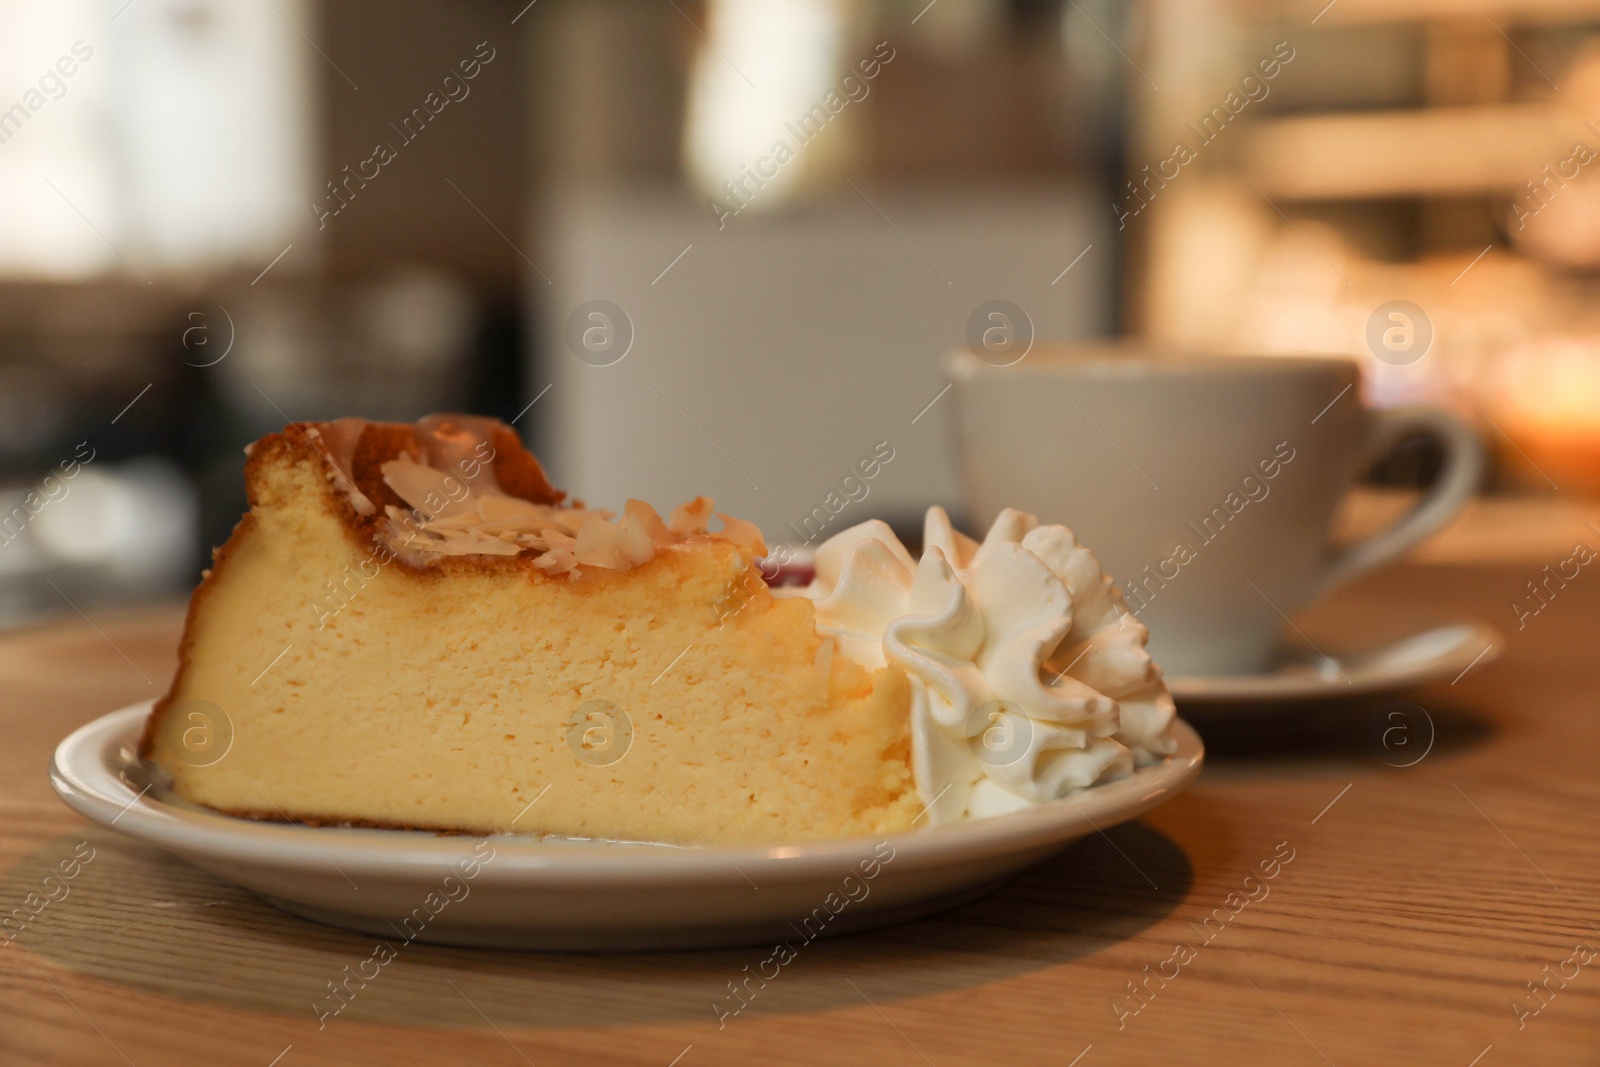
[(86, 771)]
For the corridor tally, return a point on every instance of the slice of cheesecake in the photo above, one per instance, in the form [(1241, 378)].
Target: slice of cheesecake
[(411, 628)]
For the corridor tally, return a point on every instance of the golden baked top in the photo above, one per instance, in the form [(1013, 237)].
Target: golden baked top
[(464, 485)]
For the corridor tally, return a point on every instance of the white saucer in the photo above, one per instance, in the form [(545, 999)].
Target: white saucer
[(559, 894), (1389, 655)]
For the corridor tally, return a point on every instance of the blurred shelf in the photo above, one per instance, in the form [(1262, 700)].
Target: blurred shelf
[(1367, 12), (1405, 153)]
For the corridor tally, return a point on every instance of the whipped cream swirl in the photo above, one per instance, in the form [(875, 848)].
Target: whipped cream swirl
[(1029, 678)]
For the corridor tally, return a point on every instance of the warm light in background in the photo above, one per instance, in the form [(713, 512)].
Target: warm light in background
[(180, 140), (790, 52)]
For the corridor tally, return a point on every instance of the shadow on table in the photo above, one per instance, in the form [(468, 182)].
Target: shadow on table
[(140, 918), (1398, 732)]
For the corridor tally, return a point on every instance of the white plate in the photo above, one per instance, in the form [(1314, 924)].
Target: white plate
[(561, 894), (1389, 655)]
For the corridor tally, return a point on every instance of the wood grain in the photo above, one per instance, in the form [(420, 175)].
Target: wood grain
[(1418, 903)]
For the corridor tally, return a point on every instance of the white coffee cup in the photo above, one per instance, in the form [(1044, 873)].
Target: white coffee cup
[(1206, 485)]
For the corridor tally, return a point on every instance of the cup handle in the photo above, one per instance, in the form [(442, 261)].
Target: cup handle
[(1463, 470)]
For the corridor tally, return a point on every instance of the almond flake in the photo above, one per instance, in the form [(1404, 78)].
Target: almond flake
[(745, 535), (690, 519)]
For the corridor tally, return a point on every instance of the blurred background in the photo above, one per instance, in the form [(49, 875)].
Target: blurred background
[(722, 246)]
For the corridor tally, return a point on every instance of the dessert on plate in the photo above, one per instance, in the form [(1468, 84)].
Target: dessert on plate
[(412, 628), (1029, 678)]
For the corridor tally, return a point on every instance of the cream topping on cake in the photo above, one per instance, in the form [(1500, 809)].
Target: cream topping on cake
[(1030, 679)]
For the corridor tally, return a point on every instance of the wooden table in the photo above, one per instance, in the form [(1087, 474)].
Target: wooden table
[(1419, 903)]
